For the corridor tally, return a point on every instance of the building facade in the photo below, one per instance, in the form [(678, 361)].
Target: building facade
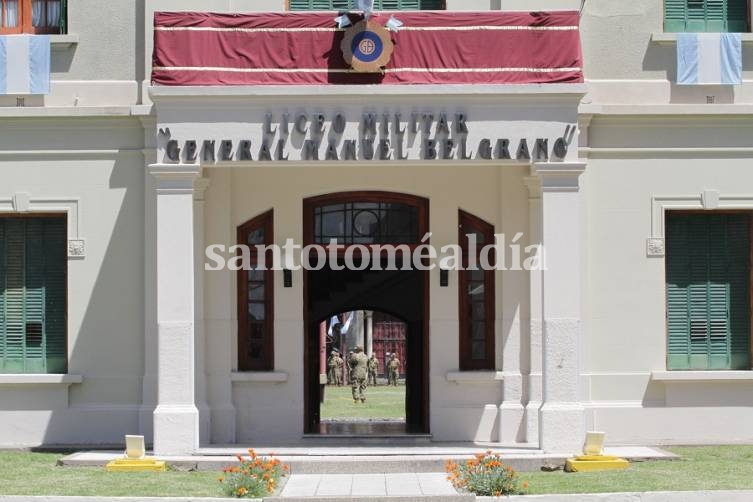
[(116, 183)]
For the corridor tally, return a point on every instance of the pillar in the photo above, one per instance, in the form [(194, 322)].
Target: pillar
[(561, 417), (369, 332), (531, 345), (205, 427), (176, 418)]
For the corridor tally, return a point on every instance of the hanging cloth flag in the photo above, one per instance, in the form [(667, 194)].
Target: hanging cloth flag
[(332, 322), (709, 59), (346, 326), (393, 24), (343, 21), (367, 6), (25, 64)]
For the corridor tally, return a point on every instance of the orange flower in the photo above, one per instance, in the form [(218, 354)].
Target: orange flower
[(242, 491), (525, 485), (239, 457), (221, 479)]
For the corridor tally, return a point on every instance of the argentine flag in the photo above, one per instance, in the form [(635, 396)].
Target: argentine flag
[(25, 64), (709, 58)]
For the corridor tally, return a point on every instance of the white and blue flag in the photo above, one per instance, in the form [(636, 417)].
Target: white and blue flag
[(367, 6), (25, 64), (709, 59)]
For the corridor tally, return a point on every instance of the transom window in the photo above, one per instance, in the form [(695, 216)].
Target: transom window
[(708, 291), (706, 16), (341, 5), (476, 296), (33, 260), (366, 223), (256, 299), (33, 16)]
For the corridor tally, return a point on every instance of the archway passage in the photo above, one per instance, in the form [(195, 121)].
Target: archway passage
[(400, 294), (357, 220)]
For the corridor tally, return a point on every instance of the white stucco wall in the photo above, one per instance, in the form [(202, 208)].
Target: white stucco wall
[(643, 137), (93, 167)]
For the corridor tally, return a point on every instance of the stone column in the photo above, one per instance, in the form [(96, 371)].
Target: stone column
[(176, 418), (205, 426), (220, 311), (531, 345), (369, 332), (561, 418)]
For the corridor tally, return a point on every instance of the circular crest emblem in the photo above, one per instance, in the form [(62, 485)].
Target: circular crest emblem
[(367, 47)]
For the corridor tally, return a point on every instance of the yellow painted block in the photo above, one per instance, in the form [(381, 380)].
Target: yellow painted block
[(136, 465), (592, 463)]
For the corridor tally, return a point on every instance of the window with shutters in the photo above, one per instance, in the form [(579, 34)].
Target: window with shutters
[(33, 260), (33, 16), (708, 291), (342, 5), (696, 16), (255, 299), (476, 296)]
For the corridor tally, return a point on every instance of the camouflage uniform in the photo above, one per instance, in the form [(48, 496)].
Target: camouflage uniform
[(358, 364), (373, 369), (332, 369), (393, 365)]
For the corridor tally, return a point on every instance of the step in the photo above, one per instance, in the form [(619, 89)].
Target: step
[(385, 498)]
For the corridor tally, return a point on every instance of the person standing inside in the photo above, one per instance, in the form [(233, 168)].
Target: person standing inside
[(373, 369), (393, 365), (358, 363)]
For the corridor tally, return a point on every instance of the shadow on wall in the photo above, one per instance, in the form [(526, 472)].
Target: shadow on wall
[(108, 349), (663, 57)]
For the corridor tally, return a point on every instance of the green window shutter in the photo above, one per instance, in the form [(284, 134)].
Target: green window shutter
[(708, 292), (737, 16), (32, 295), (738, 270), (35, 292), (678, 313), (697, 16), (15, 294), (2, 295), (674, 15), (55, 260)]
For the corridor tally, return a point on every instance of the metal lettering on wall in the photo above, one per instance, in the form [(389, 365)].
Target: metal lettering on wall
[(419, 136)]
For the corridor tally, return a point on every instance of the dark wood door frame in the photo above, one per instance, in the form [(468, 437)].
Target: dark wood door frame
[(309, 204)]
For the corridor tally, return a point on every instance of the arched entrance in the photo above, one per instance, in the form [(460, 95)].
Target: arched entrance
[(355, 220)]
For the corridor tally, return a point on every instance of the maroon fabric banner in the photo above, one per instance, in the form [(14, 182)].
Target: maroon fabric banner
[(194, 48)]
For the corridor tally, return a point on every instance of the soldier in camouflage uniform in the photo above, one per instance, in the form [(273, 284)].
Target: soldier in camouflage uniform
[(358, 364), (339, 372), (373, 369), (393, 365), (332, 367)]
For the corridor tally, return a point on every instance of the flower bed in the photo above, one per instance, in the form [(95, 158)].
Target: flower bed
[(485, 474), (253, 477)]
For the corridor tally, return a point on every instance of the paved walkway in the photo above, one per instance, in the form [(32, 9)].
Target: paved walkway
[(368, 485)]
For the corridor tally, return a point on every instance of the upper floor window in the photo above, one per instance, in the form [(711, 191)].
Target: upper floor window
[(33, 16), (697, 16), (708, 291), (33, 295), (476, 296), (378, 5), (255, 299)]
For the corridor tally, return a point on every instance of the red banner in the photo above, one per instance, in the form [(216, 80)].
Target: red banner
[(194, 48)]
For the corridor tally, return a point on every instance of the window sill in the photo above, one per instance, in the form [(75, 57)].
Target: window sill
[(259, 376), (474, 376), (701, 376), (39, 379), (662, 38), (63, 42)]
